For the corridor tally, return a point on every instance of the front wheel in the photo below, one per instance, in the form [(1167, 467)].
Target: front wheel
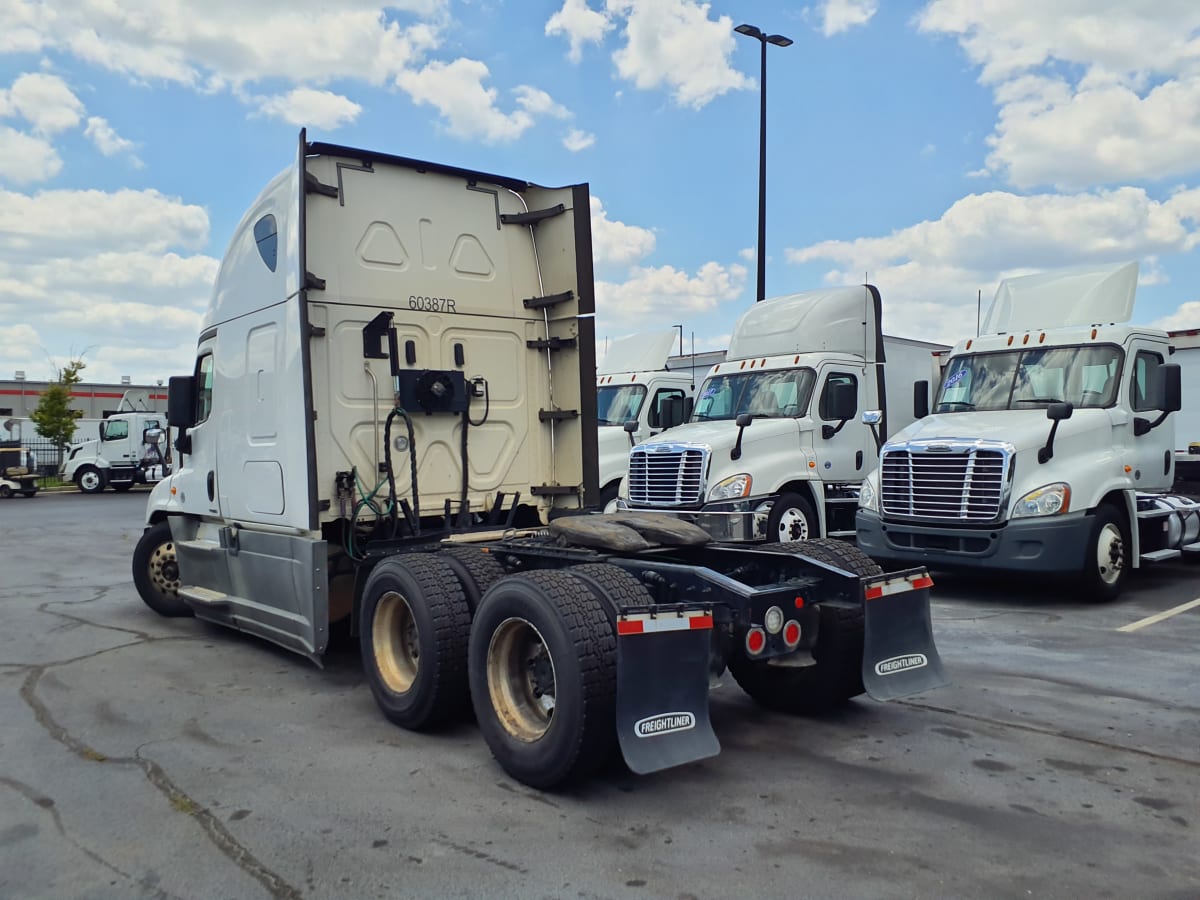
[(90, 480), (156, 572), (792, 518), (1105, 563), (543, 666), (5, 491)]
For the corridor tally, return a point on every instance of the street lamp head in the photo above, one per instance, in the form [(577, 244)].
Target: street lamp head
[(779, 40), (750, 31)]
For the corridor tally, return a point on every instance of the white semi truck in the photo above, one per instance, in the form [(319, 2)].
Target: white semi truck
[(131, 449), (776, 446), (1050, 447), (1186, 354), (391, 423), (636, 397)]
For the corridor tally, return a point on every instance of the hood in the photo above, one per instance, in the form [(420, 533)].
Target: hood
[(1023, 429), (614, 452), (769, 447)]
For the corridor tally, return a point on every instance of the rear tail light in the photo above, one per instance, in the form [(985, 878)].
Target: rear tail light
[(756, 641), (791, 633)]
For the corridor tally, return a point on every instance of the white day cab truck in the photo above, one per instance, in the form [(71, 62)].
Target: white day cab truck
[(777, 443), (132, 449), (637, 397), (391, 424), (1050, 447)]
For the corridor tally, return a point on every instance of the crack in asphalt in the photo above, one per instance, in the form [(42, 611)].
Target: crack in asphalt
[(214, 830), (1049, 732), (48, 806)]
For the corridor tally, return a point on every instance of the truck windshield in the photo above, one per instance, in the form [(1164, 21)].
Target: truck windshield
[(1086, 376), (771, 395), (617, 404)]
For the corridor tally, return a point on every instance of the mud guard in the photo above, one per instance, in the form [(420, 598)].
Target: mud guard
[(662, 689), (900, 657)]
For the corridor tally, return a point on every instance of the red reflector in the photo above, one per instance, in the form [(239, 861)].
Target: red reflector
[(799, 603), (629, 626), (919, 583), (755, 641), (874, 593), (700, 622)]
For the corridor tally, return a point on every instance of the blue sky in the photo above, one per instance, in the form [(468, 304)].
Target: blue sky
[(933, 147)]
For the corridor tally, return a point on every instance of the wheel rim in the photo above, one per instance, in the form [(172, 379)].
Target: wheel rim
[(395, 642), (520, 674), (89, 481), (1110, 554), (164, 570), (793, 525)]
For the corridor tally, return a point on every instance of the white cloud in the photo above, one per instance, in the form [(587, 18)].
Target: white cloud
[(19, 344), (1089, 91), (107, 141), (616, 242), (74, 223), (45, 102), (306, 106), (666, 294), (673, 43), (538, 103), (25, 159), (577, 140), (456, 90), (929, 273), (750, 254), (580, 24), (1187, 316), (842, 15)]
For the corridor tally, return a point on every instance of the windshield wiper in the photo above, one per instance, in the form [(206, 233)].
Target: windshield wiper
[(958, 406), (1037, 400)]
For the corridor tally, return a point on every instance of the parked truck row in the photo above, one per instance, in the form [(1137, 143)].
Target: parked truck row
[(392, 424)]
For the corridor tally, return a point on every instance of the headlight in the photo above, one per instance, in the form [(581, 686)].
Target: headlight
[(1049, 500), (731, 488), (867, 498)]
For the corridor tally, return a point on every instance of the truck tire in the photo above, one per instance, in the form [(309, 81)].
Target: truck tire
[(1106, 559), (5, 491), (837, 674), (608, 497), (612, 586), (413, 632), (156, 572), (476, 571), (90, 480), (543, 665), (792, 518)]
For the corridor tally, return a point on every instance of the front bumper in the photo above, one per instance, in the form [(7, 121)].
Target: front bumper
[(1051, 545), (734, 521)]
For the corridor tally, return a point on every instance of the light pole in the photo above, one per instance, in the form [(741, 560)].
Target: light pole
[(779, 41)]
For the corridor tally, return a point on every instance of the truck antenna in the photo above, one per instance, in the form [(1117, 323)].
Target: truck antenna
[(978, 308), (693, 360)]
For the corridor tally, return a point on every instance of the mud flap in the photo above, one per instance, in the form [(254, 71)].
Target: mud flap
[(662, 690), (899, 655)]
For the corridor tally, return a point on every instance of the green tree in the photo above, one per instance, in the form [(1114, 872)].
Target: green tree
[(54, 418)]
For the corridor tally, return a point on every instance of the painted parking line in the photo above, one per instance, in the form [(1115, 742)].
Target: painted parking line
[(1158, 617)]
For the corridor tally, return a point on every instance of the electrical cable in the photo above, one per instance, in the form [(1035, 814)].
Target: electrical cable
[(414, 523)]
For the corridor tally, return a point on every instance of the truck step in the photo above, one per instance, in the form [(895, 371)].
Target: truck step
[(1161, 555), (202, 546), (198, 594), (1192, 548), (843, 533)]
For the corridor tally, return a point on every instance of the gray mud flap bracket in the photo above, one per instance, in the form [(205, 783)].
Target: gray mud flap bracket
[(900, 657), (662, 689)]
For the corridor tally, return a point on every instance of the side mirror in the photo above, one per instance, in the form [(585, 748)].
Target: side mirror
[(1171, 399), (1056, 412), (181, 401), (743, 420), (920, 399), (671, 412), (631, 428), (843, 401)]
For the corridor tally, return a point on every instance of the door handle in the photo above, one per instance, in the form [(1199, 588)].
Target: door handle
[(212, 485)]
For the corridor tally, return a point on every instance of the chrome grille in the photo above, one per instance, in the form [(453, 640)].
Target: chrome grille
[(667, 474), (961, 483)]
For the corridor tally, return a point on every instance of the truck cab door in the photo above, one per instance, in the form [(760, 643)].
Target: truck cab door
[(197, 475), (1153, 450), (840, 440), (115, 443)]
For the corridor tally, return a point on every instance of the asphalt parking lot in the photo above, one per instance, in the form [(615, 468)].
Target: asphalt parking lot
[(146, 757)]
